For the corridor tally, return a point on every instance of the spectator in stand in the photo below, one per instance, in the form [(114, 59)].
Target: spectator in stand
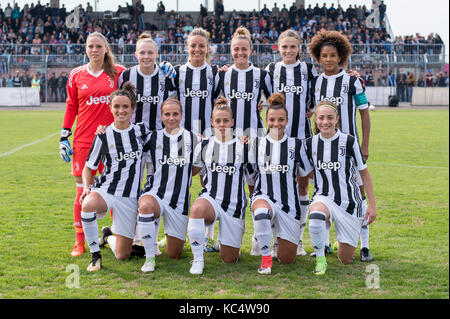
[(382, 9), (421, 80), (2, 81), (410, 83), (429, 79), (53, 85), (368, 79), (219, 9), (275, 13), (265, 12), (139, 11), (61, 84), (401, 85), (17, 79), (26, 79)]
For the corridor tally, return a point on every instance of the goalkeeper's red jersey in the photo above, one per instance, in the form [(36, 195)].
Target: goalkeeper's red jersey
[(88, 101)]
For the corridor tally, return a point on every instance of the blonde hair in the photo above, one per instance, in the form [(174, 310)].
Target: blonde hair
[(242, 33), (203, 33), (109, 60), (172, 100), (146, 37), (291, 33), (323, 104)]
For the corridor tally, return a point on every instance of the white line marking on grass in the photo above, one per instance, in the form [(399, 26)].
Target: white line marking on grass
[(26, 145), (407, 165)]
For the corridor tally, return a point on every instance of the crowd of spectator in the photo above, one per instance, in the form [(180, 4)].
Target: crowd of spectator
[(43, 24)]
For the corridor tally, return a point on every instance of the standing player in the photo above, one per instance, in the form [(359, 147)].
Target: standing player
[(225, 160), (167, 190), (88, 90), (336, 158), (276, 198), (293, 78), (332, 49), (120, 149)]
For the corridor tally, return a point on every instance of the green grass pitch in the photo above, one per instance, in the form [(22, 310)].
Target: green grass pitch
[(409, 240)]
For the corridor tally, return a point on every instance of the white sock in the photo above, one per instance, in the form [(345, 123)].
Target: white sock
[(90, 227), (209, 233), (317, 232), (364, 236), (274, 235), (196, 233), (327, 234), (157, 224), (146, 229), (304, 208), (112, 243), (262, 230)]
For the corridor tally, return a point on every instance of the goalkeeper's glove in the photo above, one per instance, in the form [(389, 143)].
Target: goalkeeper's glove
[(65, 151), (168, 70)]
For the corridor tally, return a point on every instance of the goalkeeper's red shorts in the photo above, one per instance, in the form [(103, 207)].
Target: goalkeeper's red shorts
[(80, 155)]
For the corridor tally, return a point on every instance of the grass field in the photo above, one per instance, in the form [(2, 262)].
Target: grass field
[(409, 153)]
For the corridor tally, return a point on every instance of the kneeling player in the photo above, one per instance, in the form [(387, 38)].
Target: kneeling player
[(335, 157), (120, 148)]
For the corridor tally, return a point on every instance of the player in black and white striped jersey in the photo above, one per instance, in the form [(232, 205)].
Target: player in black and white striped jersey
[(120, 149), (243, 85), (337, 158), (332, 50), (293, 78), (167, 189), (225, 160), (276, 197), (152, 85)]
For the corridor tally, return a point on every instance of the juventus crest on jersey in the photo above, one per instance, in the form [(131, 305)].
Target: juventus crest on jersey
[(294, 81), (277, 166), (225, 164), (196, 91), (341, 90), (244, 89), (171, 159), (151, 91), (335, 162), (121, 153)]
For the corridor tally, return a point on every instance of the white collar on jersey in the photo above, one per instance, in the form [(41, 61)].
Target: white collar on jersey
[(335, 136), (114, 128), (291, 65), (271, 140), (138, 69), (225, 143), (341, 72), (234, 67), (180, 131), (96, 75), (197, 67)]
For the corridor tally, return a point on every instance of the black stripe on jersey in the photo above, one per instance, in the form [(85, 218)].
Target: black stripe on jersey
[(283, 177), (296, 107), (97, 160), (179, 174), (298, 146), (140, 90), (337, 93), (229, 179), (132, 172), (116, 176), (214, 177), (152, 144), (234, 86), (164, 168), (125, 76), (267, 159), (188, 172), (107, 158), (351, 115), (188, 100), (202, 104), (320, 157), (240, 189), (272, 67), (154, 106), (247, 103), (348, 166), (335, 173)]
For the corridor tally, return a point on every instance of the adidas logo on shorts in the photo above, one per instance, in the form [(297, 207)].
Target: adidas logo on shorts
[(195, 243)]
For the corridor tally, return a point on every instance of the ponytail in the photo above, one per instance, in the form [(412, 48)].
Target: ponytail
[(109, 60), (128, 90)]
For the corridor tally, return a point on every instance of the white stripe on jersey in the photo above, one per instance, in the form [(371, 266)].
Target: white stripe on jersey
[(294, 80), (278, 162), (121, 153), (225, 164), (151, 91), (340, 89), (196, 87), (244, 89), (171, 163), (335, 162)]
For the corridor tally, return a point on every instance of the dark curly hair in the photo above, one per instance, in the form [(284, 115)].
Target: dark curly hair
[(333, 38), (128, 90)]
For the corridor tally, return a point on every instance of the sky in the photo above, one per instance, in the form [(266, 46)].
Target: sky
[(407, 17)]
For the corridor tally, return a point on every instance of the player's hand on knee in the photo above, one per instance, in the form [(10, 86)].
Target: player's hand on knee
[(168, 70), (65, 151), (86, 192)]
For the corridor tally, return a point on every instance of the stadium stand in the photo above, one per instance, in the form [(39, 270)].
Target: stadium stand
[(37, 39)]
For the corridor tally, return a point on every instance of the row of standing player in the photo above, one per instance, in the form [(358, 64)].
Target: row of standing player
[(192, 74)]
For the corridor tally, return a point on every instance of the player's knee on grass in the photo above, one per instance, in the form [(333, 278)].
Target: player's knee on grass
[(286, 252), (229, 255), (174, 247), (345, 253)]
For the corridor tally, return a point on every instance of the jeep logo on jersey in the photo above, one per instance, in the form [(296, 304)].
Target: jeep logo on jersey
[(147, 99), (97, 100), (336, 100), (127, 156), (196, 93), (275, 168), (177, 161), (241, 95), (328, 165), (230, 170), (290, 89)]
